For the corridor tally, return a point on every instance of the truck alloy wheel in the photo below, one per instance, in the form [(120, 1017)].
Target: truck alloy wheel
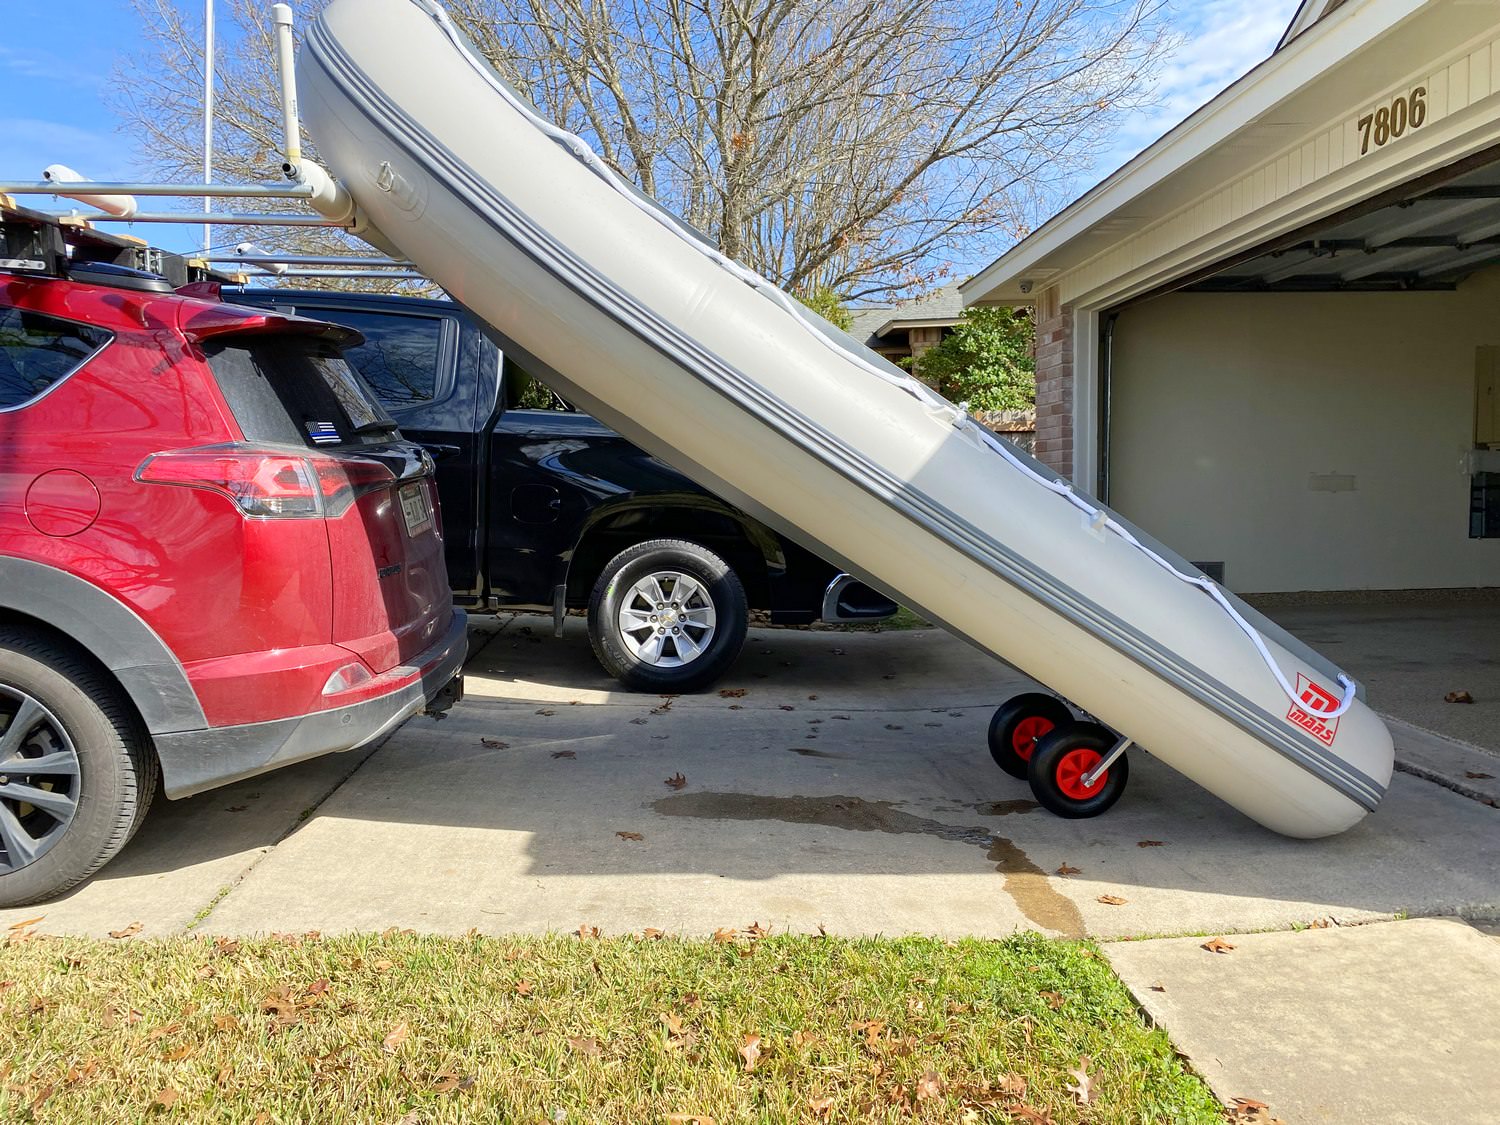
[(667, 615)]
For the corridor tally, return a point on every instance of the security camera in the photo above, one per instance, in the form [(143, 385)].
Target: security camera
[(1025, 287)]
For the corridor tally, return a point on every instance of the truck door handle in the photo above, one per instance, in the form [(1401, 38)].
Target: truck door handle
[(441, 452)]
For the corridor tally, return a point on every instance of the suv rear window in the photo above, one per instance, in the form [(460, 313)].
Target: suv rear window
[(295, 391), (37, 350)]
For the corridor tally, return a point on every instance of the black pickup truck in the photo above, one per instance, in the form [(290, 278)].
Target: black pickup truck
[(546, 509)]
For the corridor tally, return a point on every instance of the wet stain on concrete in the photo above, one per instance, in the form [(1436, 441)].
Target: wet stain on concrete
[(853, 814), (1033, 892), (809, 752), (1005, 808), (1025, 882)]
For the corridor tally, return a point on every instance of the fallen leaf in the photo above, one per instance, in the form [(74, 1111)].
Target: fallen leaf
[(448, 1082), (1157, 986), (395, 1037), (732, 693), (1113, 900), (585, 1045), (1065, 870), (651, 933), (755, 931), (894, 726), (1012, 1085), (1026, 1113), (564, 754), (226, 1022), (546, 711), (236, 808), (26, 924), (587, 931), (1470, 774), (638, 722), (803, 1039), (167, 1098), (688, 1119), (495, 743), (42, 1095), (177, 1054), (129, 931), (382, 966), (1082, 1086), (724, 934), (787, 707), (1148, 843), (820, 1107), (750, 1052), (1054, 999), (224, 946), (523, 988), (929, 1086), (676, 781), (412, 1118), (1218, 945), (630, 835), (1458, 697)]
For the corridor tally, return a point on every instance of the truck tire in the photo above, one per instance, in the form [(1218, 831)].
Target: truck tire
[(70, 742), (667, 616)]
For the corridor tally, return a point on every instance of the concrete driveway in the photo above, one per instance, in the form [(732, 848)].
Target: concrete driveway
[(849, 786)]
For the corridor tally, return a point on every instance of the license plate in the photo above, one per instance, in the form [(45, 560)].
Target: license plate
[(415, 509)]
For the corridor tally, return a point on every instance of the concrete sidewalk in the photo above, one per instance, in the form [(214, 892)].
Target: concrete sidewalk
[(1397, 1023)]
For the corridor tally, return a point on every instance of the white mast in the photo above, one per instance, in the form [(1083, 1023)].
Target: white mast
[(208, 114)]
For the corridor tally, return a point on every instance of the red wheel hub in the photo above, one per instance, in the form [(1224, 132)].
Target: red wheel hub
[(1070, 770), (1027, 733)]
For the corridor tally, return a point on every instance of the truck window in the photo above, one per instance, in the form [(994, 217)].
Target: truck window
[(400, 356), (523, 392)]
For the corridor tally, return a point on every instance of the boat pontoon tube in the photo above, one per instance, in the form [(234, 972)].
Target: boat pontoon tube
[(696, 359)]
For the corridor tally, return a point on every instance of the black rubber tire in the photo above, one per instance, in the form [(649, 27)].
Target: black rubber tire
[(118, 771), (1051, 754), (1010, 716), (723, 587)]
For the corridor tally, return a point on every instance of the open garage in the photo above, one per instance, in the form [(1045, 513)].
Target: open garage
[(1271, 339)]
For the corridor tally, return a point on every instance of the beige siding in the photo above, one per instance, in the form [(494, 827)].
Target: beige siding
[(1238, 419)]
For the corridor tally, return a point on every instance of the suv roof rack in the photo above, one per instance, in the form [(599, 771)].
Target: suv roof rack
[(42, 244)]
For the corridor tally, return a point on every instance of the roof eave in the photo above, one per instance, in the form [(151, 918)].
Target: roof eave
[(1238, 105)]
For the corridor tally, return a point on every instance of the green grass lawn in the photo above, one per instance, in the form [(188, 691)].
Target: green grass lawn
[(400, 1028)]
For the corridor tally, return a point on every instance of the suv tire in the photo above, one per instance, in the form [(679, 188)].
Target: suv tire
[(667, 616), (71, 708)]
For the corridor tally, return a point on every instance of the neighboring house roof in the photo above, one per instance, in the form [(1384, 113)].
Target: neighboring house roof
[(938, 309)]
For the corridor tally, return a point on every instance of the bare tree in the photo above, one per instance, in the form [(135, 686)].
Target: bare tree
[(864, 146)]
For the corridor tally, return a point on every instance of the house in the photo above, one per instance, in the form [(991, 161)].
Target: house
[(906, 330), (1272, 337)]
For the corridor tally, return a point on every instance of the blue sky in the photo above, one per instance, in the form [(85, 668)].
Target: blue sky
[(57, 56)]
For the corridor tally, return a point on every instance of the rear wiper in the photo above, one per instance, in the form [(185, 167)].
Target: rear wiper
[(375, 428)]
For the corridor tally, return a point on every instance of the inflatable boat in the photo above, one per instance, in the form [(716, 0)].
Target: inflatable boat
[(631, 314)]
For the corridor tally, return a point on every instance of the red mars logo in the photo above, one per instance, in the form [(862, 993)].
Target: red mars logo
[(1314, 702)]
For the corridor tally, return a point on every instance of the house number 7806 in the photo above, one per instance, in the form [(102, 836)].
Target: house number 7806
[(1391, 121)]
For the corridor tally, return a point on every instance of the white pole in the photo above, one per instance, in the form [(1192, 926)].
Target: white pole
[(208, 113)]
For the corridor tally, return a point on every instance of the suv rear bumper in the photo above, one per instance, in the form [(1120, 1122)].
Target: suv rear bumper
[(194, 761)]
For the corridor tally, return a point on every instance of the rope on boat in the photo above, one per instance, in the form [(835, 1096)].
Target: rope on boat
[(959, 417)]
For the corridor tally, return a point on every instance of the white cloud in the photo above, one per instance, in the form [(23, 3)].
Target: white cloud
[(28, 144), (1221, 40)]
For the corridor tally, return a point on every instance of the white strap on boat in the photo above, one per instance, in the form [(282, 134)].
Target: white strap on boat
[(940, 407)]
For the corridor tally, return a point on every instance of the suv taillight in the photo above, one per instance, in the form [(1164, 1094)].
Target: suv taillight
[(266, 482)]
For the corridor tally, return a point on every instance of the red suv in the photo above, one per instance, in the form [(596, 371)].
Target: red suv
[(217, 557)]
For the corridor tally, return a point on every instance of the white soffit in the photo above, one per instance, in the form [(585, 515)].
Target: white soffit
[(1309, 95)]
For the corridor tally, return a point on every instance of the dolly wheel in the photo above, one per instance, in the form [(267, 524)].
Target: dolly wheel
[(1020, 723), (1060, 763)]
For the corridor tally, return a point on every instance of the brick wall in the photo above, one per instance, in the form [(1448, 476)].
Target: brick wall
[(1054, 387)]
